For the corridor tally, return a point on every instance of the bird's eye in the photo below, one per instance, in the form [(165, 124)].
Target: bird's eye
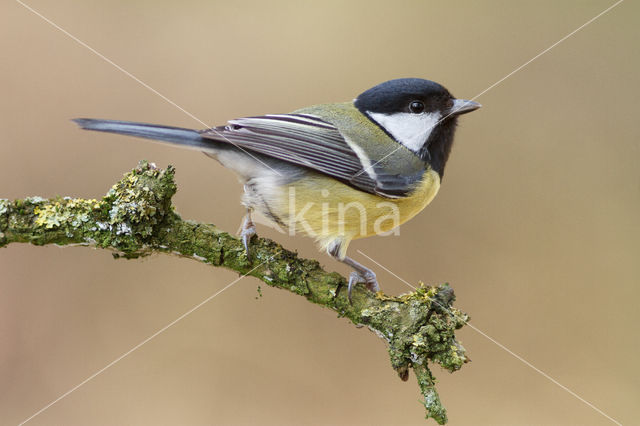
[(416, 107)]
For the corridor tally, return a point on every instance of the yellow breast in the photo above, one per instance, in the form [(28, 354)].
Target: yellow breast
[(329, 210)]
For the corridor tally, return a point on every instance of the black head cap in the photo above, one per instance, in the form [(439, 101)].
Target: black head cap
[(397, 95)]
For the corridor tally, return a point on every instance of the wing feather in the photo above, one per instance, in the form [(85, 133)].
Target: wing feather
[(311, 142)]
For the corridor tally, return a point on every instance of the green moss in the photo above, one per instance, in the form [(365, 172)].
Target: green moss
[(4, 206), (420, 328), (137, 205), (4, 220), (431, 399)]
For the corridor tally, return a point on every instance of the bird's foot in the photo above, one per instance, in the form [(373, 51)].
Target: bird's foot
[(367, 277), (247, 230)]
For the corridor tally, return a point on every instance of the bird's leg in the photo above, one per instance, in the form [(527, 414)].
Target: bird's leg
[(361, 273), (247, 230)]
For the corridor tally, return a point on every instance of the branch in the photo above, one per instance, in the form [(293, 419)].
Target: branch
[(136, 218)]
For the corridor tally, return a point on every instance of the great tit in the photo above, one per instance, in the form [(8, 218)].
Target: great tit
[(335, 172)]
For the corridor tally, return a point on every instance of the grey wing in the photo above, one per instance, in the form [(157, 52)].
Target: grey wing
[(310, 142)]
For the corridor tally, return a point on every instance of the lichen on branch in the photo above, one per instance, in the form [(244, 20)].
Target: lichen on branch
[(136, 218)]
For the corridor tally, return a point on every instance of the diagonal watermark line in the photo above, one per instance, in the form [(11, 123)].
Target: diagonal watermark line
[(101, 56), (503, 347), (366, 169), (163, 329)]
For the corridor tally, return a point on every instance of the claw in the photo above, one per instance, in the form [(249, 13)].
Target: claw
[(354, 278), (372, 283), (247, 230), (367, 277), (246, 237)]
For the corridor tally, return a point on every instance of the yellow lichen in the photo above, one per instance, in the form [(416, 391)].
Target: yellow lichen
[(67, 211), (418, 341)]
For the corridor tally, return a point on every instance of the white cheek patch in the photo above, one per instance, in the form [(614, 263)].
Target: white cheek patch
[(411, 130)]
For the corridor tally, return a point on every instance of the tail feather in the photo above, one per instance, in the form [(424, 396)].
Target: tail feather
[(175, 135)]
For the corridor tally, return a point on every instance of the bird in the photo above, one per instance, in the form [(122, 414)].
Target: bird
[(335, 172)]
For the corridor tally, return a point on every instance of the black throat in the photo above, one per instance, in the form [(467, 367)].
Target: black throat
[(436, 150)]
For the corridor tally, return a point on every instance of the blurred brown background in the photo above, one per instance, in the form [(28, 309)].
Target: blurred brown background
[(536, 225)]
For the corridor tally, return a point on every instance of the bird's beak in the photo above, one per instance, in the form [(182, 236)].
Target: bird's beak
[(461, 106)]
